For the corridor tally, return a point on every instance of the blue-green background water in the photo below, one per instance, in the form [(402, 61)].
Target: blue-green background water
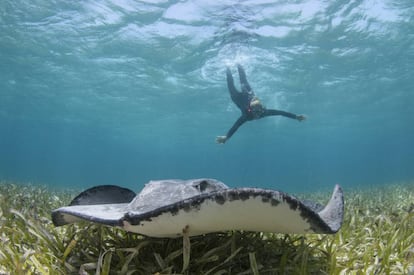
[(123, 91)]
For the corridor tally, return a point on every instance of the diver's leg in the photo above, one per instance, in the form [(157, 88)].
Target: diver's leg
[(240, 99), (243, 80), (230, 84)]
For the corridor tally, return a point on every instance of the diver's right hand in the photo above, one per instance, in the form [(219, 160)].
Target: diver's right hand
[(300, 117), (221, 139)]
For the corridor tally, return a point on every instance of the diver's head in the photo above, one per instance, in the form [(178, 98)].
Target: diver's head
[(256, 108)]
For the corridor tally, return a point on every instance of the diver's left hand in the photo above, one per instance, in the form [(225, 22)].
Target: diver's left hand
[(221, 139)]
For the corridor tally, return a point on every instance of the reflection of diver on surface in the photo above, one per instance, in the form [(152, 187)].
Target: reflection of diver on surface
[(248, 104)]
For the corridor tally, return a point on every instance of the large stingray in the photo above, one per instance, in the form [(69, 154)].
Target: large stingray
[(166, 208)]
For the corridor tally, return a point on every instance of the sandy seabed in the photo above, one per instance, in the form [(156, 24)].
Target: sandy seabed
[(377, 237)]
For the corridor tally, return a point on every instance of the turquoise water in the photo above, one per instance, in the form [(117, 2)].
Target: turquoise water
[(122, 91)]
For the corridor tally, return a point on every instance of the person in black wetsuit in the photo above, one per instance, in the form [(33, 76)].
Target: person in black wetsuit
[(249, 105)]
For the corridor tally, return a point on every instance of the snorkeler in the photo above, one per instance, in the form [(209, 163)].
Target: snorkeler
[(249, 105)]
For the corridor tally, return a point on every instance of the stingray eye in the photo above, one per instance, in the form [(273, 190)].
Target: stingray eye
[(202, 186)]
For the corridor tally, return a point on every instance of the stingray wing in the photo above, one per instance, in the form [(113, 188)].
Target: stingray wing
[(103, 204), (249, 209)]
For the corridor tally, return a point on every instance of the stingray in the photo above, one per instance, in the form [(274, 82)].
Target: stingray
[(173, 208)]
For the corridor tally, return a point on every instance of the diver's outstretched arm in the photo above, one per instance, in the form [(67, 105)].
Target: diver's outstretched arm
[(270, 112), (236, 126), (233, 129), (245, 86)]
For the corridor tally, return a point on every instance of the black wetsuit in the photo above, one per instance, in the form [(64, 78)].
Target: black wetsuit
[(243, 99)]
